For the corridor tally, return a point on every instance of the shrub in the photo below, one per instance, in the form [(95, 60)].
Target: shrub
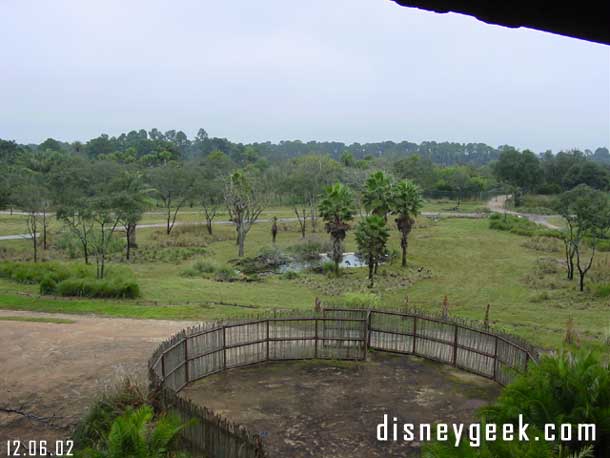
[(602, 290), (290, 275), (566, 387), (48, 285), (205, 267), (328, 267), (106, 288), (137, 434), (226, 273), (94, 426), (569, 387)]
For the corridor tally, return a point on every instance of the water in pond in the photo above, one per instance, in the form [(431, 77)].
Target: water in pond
[(350, 260)]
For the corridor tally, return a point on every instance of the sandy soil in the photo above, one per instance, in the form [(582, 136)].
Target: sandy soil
[(329, 409), (56, 370)]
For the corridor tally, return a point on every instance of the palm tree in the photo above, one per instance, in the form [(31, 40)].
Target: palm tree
[(377, 194), (337, 209), (372, 237), (406, 203)]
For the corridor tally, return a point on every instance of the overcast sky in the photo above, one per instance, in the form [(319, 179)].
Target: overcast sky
[(347, 70)]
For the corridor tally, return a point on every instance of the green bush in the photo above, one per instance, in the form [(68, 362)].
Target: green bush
[(290, 275), (328, 267), (226, 273), (32, 273), (568, 387), (94, 426), (48, 285), (602, 290), (72, 280), (205, 267), (106, 288)]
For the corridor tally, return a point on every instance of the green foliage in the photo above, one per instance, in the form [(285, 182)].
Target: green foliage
[(48, 285), (520, 169), (290, 275), (328, 267), (211, 269), (372, 238), (32, 273), (135, 435), (71, 280), (337, 209), (407, 199), (268, 259), (569, 387), (602, 290), (93, 428), (309, 249), (377, 196), (520, 226), (337, 205)]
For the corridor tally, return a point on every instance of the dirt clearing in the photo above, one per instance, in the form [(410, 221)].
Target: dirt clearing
[(331, 408), (57, 369)]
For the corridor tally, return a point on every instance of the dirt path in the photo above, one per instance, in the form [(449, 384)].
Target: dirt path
[(497, 203), (50, 369)]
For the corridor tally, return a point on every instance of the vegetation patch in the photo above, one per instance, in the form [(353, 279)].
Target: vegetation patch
[(520, 226), (212, 269), (71, 280)]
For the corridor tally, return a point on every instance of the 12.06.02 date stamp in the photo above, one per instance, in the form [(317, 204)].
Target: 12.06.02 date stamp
[(39, 448)]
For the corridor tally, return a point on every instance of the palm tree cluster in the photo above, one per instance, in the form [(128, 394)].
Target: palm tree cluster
[(381, 197)]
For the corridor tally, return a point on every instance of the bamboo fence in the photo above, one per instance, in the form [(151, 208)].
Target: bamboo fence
[(336, 333)]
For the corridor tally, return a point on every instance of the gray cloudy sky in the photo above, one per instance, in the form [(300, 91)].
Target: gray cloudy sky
[(347, 70)]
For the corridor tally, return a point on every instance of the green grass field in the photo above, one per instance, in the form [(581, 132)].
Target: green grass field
[(461, 258)]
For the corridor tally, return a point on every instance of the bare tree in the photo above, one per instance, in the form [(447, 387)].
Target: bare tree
[(245, 202)]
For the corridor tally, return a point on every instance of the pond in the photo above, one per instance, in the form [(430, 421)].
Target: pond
[(350, 260)]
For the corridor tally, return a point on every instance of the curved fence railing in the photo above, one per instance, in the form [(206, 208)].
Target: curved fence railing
[(336, 333)]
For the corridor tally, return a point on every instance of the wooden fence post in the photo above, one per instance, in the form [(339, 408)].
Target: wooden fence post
[(315, 354), (495, 357), (163, 366), (267, 340), (224, 347), (186, 359), (368, 329), (455, 345), (414, 332)]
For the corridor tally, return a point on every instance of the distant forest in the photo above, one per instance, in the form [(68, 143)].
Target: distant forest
[(138, 144)]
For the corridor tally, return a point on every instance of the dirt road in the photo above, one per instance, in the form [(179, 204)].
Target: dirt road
[(50, 369), (496, 205)]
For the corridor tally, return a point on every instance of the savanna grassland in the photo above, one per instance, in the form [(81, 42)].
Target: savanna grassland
[(521, 277)]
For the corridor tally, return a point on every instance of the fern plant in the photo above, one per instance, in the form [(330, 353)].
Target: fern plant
[(133, 435)]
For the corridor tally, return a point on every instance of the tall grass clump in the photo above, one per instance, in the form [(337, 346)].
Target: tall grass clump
[(72, 279)]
